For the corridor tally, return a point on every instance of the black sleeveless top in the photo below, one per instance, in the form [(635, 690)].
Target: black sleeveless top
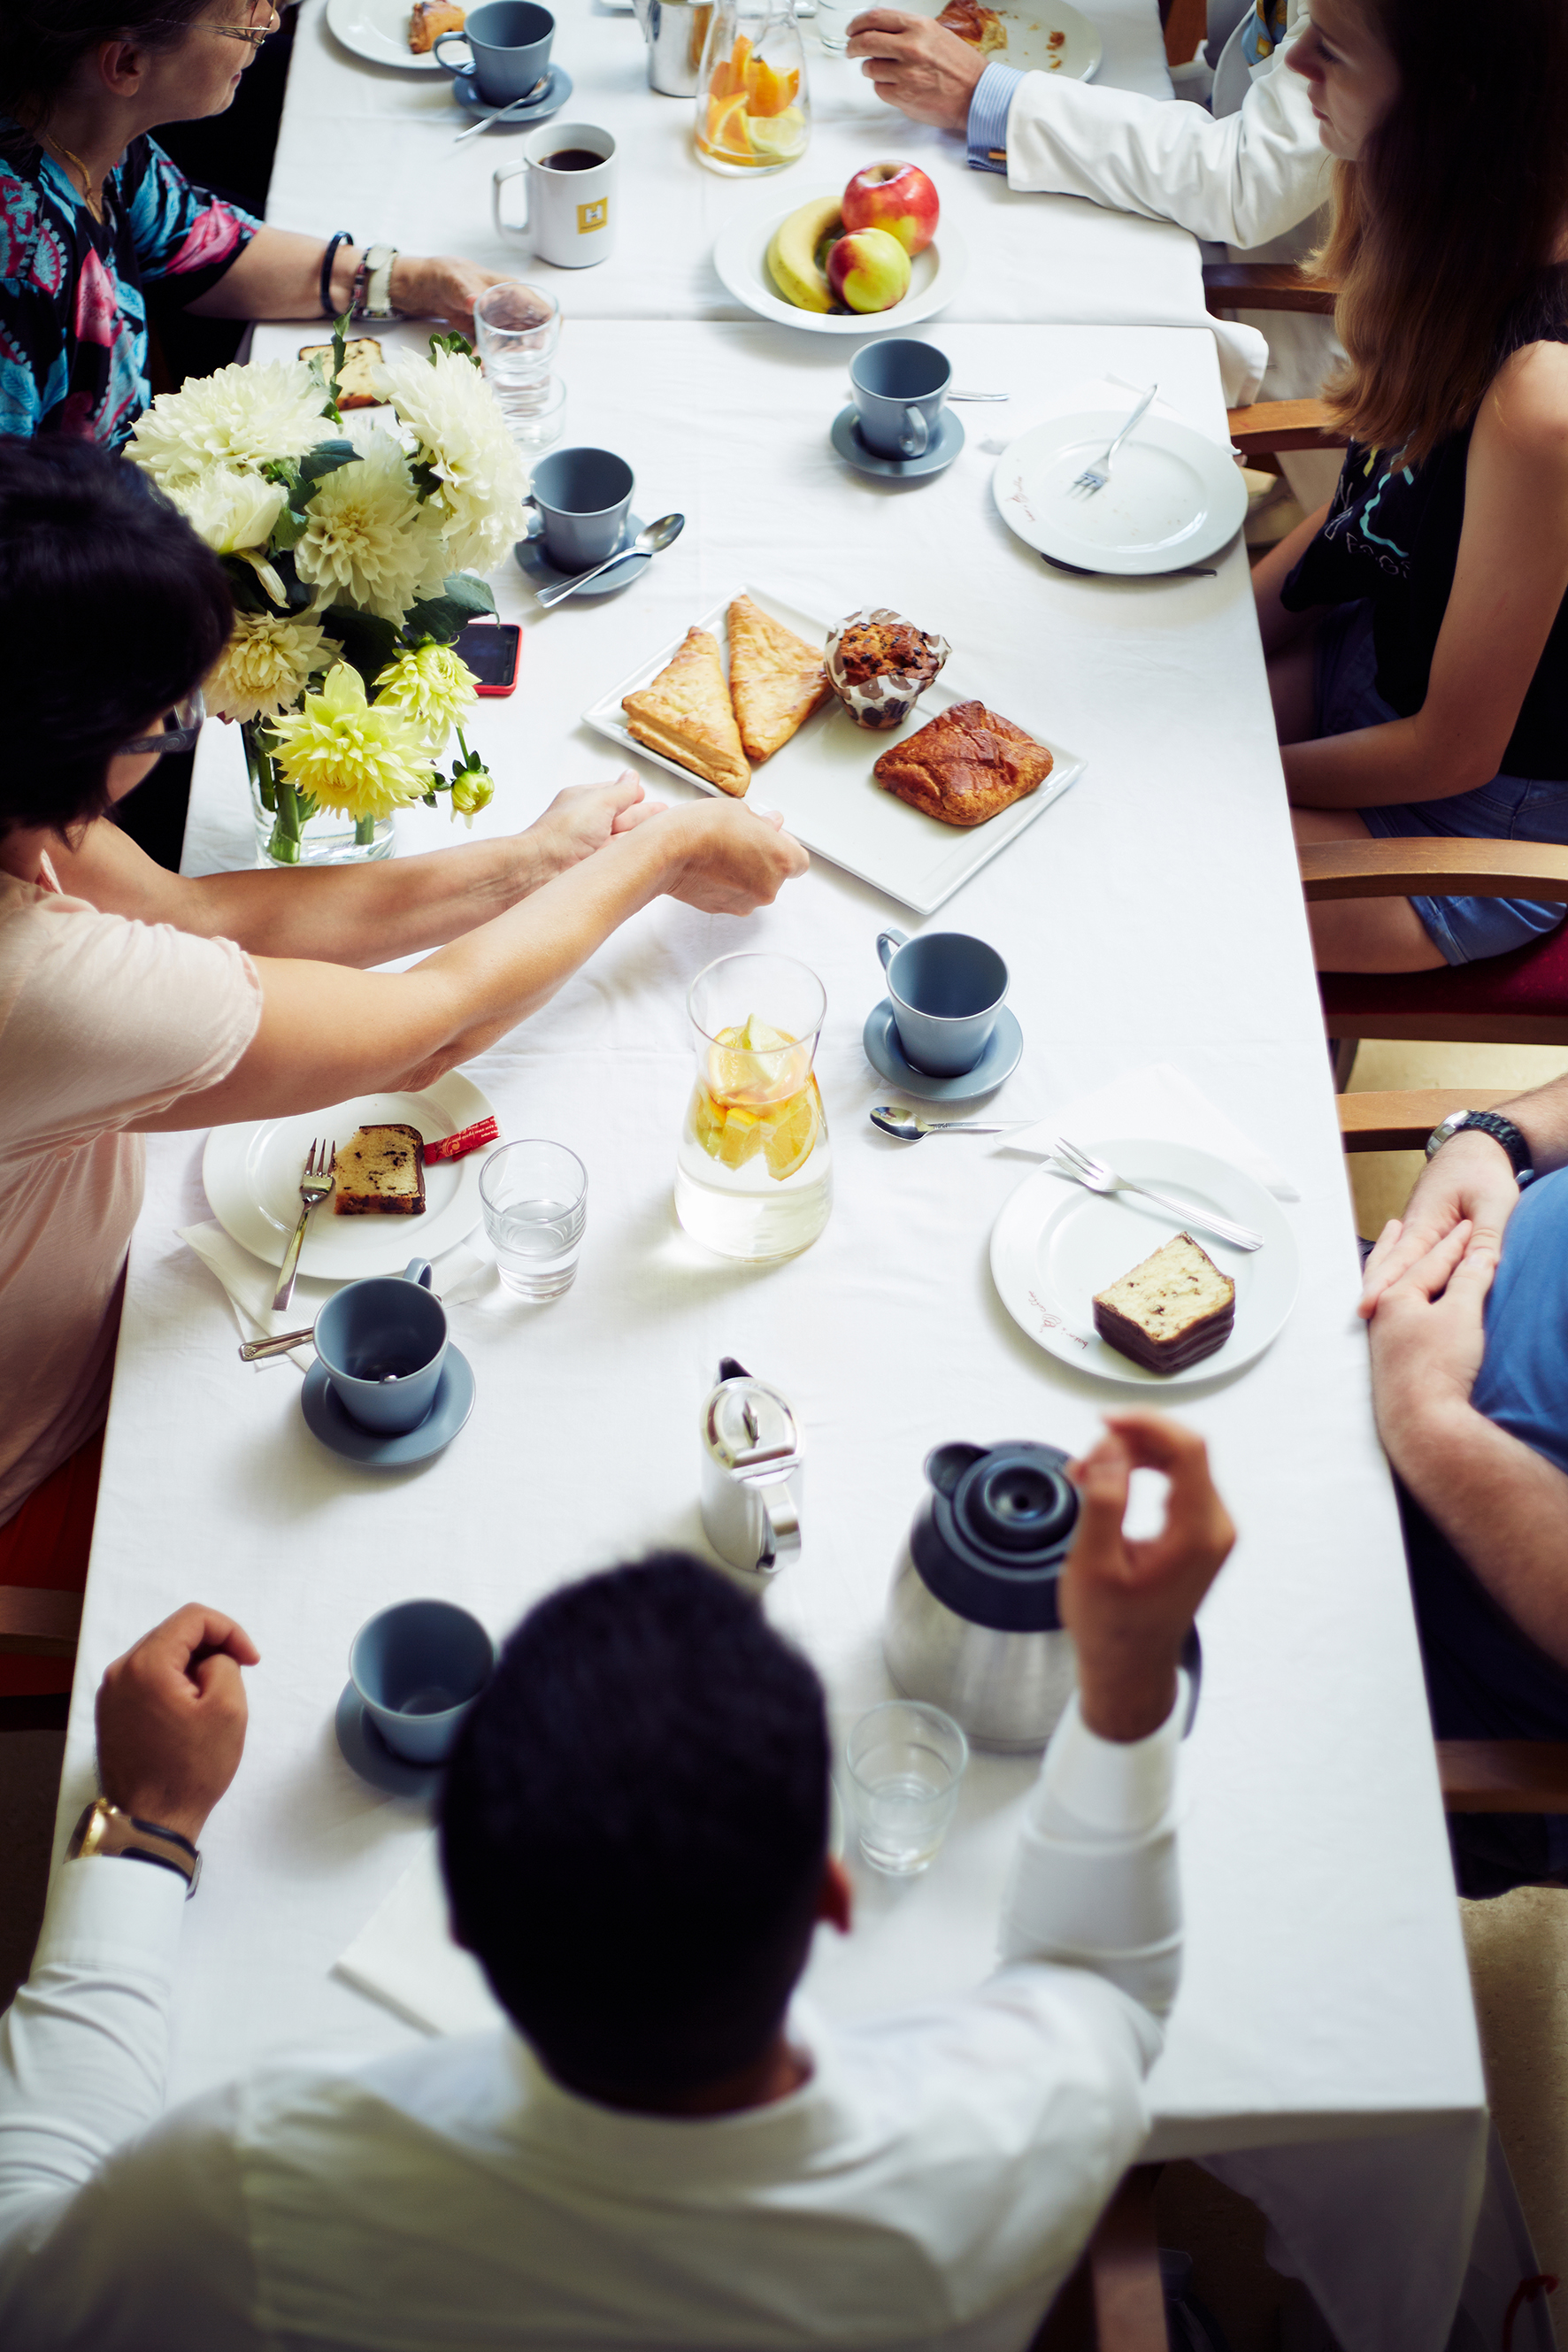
[(1393, 535)]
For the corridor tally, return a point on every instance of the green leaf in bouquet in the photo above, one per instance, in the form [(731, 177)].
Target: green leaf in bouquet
[(427, 481), (325, 458), (459, 345), (246, 590), (440, 620), (369, 642)]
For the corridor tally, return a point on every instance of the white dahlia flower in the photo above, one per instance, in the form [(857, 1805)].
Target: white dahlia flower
[(228, 510), (463, 437), (239, 416), (369, 540), (266, 665), (432, 686), (363, 759)]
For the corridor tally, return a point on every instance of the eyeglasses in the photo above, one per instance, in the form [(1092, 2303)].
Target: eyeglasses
[(181, 727), (253, 34)]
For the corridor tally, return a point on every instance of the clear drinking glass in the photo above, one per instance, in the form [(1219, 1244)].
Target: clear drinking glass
[(753, 1177), (540, 414), (834, 19), (535, 1200), (517, 328), (905, 1762), (752, 111)]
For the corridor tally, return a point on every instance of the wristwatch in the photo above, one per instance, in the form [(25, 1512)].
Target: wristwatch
[(1502, 1131), (103, 1829), (372, 297)]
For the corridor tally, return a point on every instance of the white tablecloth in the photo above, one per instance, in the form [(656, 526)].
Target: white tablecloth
[(372, 149), (1151, 915)]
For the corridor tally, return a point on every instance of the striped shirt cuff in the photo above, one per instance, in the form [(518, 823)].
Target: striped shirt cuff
[(988, 111)]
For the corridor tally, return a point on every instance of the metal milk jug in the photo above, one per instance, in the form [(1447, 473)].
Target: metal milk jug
[(675, 31), (751, 1473), (971, 1623)]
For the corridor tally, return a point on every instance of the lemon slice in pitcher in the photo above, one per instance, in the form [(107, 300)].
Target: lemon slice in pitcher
[(791, 1132)]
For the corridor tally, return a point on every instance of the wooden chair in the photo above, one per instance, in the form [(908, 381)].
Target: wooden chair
[(1114, 2302)]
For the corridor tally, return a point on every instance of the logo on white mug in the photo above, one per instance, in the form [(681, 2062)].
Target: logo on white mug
[(593, 216)]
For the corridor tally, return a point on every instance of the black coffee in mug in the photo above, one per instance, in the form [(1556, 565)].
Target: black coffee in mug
[(572, 159)]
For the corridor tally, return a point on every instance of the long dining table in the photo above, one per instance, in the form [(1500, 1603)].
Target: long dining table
[(1323, 2056)]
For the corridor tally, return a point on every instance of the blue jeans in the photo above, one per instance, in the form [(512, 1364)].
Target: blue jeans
[(1511, 808)]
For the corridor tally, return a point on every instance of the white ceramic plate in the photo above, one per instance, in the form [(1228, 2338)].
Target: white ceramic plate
[(1077, 52), (741, 258), (1174, 498), (822, 779), (1054, 1244), (378, 30), (252, 1179)]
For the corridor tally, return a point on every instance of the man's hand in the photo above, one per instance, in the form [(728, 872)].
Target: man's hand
[(732, 858), (1471, 1177), (1429, 1336), (918, 66), (581, 819), (438, 287), (171, 1720), (1129, 1605)]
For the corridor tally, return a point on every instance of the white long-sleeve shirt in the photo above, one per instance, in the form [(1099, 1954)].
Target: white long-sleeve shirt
[(928, 2188)]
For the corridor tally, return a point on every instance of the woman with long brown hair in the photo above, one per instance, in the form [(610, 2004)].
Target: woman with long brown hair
[(1415, 631)]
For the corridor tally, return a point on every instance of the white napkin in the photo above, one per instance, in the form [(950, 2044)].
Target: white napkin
[(1109, 392), (461, 1273), (1161, 1103), (404, 1957)]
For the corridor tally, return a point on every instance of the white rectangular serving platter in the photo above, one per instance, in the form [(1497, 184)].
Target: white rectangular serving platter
[(822, 782)]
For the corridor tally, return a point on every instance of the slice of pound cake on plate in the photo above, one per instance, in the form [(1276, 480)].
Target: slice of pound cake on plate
[(1171, 1311)]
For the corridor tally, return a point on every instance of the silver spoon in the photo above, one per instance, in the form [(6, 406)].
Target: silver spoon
[(909, 1125), (648, 541), (518, 105), (979, 396)]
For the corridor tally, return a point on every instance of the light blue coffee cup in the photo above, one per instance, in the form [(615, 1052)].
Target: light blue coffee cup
[(900, 388), (418, 1668), (384, 1344), (946, 990), (509, 49)]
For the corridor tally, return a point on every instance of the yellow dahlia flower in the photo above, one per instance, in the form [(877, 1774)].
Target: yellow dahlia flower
[(266, 665), (369, 540), (241, 416), (361, 759), (432, 686)]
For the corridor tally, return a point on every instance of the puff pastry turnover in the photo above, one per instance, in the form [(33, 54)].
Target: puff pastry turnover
[(965, 766), (776, 679), (685, 713)]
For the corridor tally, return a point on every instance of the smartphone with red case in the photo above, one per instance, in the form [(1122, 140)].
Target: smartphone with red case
[(493, 650)]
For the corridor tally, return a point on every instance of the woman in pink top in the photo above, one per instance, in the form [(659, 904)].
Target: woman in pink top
[(132, 1000)]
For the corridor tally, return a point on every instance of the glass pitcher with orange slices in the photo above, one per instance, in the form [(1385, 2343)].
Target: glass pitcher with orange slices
[(753, 1177), (753, 111)]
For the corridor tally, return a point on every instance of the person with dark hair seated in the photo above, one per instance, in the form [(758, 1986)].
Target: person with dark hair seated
[(667, 2153), (91, 210), (132, 1000), (1468, 1297)]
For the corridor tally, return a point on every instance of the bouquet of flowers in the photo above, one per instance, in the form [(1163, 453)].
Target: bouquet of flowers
[(356, 554)]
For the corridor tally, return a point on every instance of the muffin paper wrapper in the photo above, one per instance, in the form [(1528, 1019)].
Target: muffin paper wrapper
[(887, 700)]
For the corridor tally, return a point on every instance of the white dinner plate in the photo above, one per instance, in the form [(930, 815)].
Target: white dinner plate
[(1051, 38), (1055, 1243), (740, 258), (1174, 498), (823, 783), (252, 1179), (378, 31)]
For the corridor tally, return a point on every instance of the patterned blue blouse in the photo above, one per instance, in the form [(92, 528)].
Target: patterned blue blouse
[(73, 323)]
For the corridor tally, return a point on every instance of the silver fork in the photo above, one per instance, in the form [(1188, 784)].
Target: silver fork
[(1099, 1178), (316, 1183), (1095, 477)]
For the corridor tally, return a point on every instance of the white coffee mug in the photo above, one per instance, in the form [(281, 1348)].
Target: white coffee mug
[(571, 203)]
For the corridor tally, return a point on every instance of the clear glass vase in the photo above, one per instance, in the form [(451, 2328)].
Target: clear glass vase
[(289, 828), (753, 113)]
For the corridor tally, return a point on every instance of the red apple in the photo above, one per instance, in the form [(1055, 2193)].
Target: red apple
[(897, 197), (869, 271)]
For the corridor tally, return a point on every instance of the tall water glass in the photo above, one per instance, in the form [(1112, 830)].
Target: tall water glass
[(905, 1762), (754, 1175), (535, 1199), (834, 19), (517, 328)]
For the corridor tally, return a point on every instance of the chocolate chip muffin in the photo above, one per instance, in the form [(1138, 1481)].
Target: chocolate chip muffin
[(879, 664)]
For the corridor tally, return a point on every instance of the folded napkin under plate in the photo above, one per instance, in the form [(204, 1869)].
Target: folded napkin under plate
[(1159, 1104), (404, 1957), (461, 1273)]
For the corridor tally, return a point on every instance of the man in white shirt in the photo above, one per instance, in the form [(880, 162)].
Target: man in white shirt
[(1252, 176), (667, 2152)]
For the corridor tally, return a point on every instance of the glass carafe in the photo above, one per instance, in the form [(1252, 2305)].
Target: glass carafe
[(752, 111), (753, 1177)]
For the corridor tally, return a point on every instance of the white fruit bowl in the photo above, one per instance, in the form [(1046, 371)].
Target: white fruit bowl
[(741, 258)]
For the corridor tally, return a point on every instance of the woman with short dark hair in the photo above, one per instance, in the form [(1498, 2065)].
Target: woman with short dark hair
[(1415, 629), (132, 1000), (91, 210)]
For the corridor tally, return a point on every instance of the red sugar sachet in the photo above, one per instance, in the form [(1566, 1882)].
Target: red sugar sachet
[(466, 1139)]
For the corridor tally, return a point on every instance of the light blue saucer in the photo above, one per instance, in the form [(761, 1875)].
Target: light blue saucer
[(846, 439), (327, 1420), (535, 565), (367, 1752), (557, 91), (886, 1056)]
